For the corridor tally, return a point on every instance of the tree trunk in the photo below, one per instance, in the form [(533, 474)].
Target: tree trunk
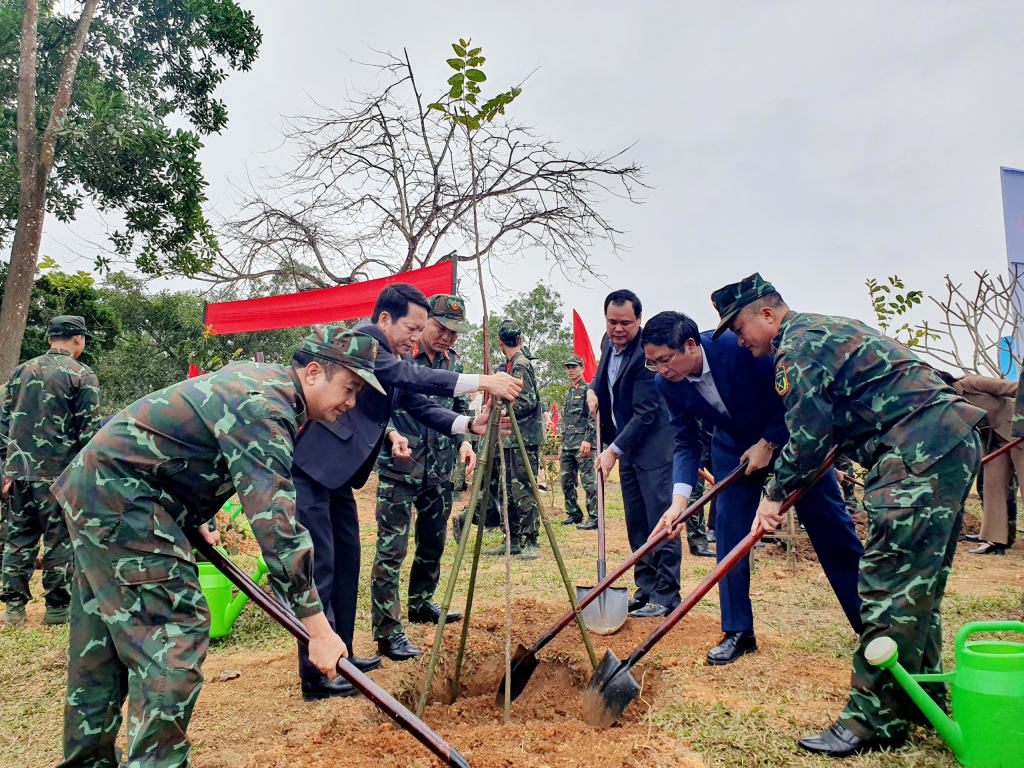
[(35, 159)]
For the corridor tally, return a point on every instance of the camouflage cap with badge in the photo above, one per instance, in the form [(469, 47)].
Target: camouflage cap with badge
[(574, 360), (352, 349), (509, 332), (65, 326), (449, 311), (734, 297)]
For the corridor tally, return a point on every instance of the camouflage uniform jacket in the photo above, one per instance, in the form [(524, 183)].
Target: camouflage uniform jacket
[(844, 383), (50, 410), (528, 408), (171, 459), (433, 453), (577, 423)]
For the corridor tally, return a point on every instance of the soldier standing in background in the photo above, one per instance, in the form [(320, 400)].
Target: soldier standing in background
[(421, 480), (50, 410), (696, 528), (523, 515), (579, 436)]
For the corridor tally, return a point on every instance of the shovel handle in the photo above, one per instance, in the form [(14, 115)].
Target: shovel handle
[(381, 698), (641, 553), (1000, 451), (738, 553), (600, 494)]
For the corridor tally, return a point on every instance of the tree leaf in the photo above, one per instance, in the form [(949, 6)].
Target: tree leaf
[(456, 63), (459, 49), (457, 79), (438, 107), (456, 92), (475, 52), (476, 75)]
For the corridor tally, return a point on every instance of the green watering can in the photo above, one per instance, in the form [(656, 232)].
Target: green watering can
[(987, 727), (217, 589)]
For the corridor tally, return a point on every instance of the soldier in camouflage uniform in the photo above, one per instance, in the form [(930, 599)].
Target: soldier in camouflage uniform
[(420, 481), (523, 515), (140, 626), (579, 436), (845, 384), (50, 410)]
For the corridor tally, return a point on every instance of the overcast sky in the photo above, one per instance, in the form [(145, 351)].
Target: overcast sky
[(819, 143)]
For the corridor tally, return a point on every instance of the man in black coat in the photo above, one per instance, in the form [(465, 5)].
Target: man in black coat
[(636, 430), (332, 459)]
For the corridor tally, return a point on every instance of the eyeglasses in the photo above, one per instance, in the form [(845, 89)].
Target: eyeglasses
[(652, 365)]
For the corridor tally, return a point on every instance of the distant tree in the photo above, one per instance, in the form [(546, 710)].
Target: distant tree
[(85, 95), (162, 333), (546, 335), (57, 293)]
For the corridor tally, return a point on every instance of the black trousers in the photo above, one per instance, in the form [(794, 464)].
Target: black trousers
[(333, 524), (646, 495)]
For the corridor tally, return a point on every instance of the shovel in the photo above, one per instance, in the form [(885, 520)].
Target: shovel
[(613, 687), (381, 698), (612, 607), (524, 660)]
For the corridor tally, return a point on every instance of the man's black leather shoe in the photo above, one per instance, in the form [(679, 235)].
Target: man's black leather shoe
[(590, 525), (398, 648), (431, 615), (733, 645), (635, 604), (840, 741), (366, 663), (570, 521), (702, 550), (325, 688), (649, 611)]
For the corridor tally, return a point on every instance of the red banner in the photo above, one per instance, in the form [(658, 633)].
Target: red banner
[(326, 305), (581, 346), (554, 418)]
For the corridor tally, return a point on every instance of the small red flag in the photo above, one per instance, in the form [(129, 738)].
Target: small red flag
[(193, 371), (554, 418), (581, 346)]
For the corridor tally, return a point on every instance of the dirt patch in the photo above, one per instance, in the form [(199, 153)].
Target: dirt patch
[(259, 719)]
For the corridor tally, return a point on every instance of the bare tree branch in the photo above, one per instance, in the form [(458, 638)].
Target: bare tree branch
[(377, 188)]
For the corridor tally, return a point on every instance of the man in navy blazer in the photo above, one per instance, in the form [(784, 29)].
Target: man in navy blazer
[(637, 433), (727, 386), (332, 459)]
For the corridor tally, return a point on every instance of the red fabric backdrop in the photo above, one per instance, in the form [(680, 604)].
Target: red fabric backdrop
[(345, 302), (581, 346)]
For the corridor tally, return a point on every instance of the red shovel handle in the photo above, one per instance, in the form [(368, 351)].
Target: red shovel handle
[(738, 553), (1000, 451)]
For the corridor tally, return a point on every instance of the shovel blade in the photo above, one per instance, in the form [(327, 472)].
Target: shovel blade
[(608, 613), (610, 691), (524, 662)]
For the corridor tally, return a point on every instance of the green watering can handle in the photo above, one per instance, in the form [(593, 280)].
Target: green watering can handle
[(985, 626)]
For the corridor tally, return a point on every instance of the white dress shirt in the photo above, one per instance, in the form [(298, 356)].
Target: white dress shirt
[(705, 385)]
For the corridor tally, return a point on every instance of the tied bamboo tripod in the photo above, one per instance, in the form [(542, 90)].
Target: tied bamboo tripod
[(481, 493)]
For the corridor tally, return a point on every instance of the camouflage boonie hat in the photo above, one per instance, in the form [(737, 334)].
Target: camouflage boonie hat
[(356, 351), (449, 311), (574, 360), (732, 298), (509, 332), (67, 325)]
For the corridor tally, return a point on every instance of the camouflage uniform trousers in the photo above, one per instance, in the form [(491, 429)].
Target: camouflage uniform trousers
[(32, 514), (395, 503), (523, 515), (571, 464), (914, 523), (140, 628), (696, 528)]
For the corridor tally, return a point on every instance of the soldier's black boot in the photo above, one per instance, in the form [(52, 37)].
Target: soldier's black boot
[(840, 741), (398, 648), (431, 615)]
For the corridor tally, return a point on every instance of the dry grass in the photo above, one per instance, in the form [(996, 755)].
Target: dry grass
[(749, 713)]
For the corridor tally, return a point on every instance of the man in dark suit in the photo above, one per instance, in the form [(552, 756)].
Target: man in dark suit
[(332, 459), (725, 385), (635, 426)]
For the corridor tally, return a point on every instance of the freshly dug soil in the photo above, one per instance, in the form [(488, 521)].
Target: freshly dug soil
[(275, 729)]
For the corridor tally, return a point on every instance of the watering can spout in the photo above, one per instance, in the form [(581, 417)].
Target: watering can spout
[(882, 653)]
